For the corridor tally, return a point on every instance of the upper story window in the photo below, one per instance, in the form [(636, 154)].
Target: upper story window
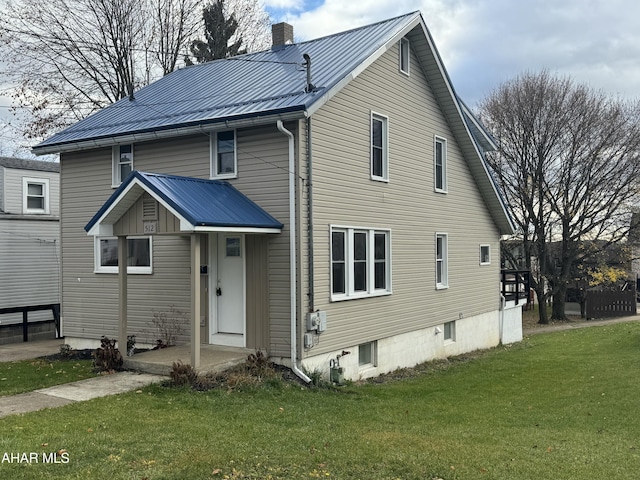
[(442, 261), (224, 159), (485, 254), (360, 262), (122, 163), (440, 164), (379, 147), (404, 57), (139, 255), (35, 195)]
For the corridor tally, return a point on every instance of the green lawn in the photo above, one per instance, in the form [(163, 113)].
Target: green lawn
[(28, 375), (557, 406)]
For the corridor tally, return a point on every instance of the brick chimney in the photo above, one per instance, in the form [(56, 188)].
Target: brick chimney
[(281, 34)]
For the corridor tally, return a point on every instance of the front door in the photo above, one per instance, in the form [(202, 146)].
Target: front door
[(228, 291)]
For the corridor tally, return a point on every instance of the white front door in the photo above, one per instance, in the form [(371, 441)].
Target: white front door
[(228, 290)]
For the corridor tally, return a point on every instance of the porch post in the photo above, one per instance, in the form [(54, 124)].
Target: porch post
[(122, 294), (195, 300)]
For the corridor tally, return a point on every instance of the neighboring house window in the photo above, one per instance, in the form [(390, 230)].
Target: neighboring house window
[(139, 258), (224, 162), (379, 147), (450, 331), (360, 262), (440, 161), (367, 354), (35, 195), (122, 163), (404, 55), (485, 254), (442, 280)]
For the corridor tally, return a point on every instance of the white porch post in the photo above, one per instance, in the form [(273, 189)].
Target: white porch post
[(122, 294), (195, 300)]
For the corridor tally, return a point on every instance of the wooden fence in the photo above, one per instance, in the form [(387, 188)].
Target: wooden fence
[(611, 304)]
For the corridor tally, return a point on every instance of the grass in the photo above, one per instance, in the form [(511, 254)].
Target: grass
[(557, 406), (28, 375)]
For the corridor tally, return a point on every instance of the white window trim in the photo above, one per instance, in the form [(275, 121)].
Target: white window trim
[(26, 181), (350, 293), (385, 146), (445, 261), (213, 153), (443, 141), (115, 164), (374, 356), (404, 41), (488, 247), (98, 268), (452, 338)]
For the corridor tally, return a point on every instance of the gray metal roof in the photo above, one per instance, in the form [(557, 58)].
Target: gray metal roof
[(266, 83), (24, 164)]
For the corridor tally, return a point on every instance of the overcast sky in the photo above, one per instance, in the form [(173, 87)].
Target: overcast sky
[(486, 42)]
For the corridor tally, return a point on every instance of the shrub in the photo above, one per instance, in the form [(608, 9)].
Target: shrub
[(107, 357), (169, 325), (183, 374)]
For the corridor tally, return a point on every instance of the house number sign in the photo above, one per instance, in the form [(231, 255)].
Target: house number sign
[(150, 227)]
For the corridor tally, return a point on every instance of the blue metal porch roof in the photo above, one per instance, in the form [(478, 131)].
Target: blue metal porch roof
[(202, 203)]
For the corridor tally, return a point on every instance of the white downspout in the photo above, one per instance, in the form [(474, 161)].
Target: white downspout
[(292, 255)]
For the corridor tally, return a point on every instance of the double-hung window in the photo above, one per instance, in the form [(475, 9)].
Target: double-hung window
[(139, 255), (35, 196), (485, 254), (122, 163), (442, 275), (379, 147), (440, 164), (224, 159), (360, 262)]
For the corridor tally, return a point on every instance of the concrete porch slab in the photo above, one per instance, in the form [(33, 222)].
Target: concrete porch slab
[(213, 358)]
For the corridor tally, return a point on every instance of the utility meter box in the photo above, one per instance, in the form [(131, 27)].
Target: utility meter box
[(317, 321)]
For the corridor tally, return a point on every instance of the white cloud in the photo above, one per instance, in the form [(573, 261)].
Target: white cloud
[(485, 42)]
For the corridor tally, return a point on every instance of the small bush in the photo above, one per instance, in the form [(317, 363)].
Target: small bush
[(65, 350), (169, 325), (183, 374), (107, 357)]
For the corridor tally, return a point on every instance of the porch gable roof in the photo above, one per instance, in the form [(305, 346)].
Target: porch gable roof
[(200, 205)]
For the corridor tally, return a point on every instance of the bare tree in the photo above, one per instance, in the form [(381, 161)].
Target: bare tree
[(72, 57), (568, 163)]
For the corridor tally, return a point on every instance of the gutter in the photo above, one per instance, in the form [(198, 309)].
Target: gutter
[(292, 256)]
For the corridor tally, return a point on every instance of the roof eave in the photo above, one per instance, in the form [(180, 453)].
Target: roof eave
[(248, 120)]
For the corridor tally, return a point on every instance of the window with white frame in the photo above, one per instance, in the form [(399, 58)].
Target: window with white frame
[(485, 254), (379, 147), (367, 354), (440, 164), (404, 58), (450, 331), (35, 195), (139, 255), (442, 280), (122, 163), (224, 160), (360, 262)]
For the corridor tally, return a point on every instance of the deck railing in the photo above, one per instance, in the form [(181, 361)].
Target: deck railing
[(54, 307), (515, 285)]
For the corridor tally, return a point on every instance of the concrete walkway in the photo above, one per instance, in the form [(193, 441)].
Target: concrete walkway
[(581, 324), (64, 394)]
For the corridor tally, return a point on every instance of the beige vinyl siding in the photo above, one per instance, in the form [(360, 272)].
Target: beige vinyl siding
[(344, 195), (263, 176), (90, 300), (2, 189), (29, 269)]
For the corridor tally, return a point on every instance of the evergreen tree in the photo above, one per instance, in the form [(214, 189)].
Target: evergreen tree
[(218, 31)]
